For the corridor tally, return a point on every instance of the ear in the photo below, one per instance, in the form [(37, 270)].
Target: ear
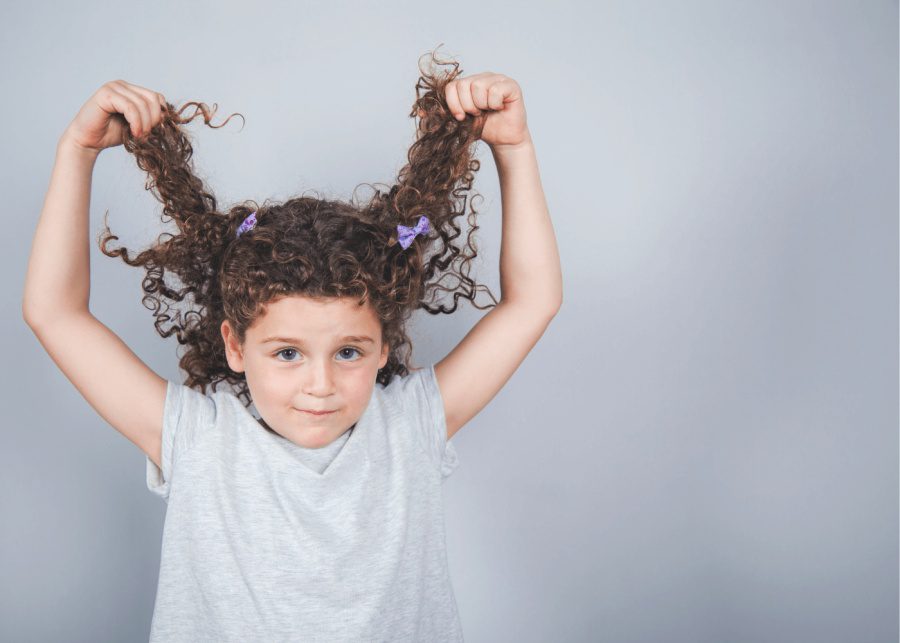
[(385, 352), (233, 352)]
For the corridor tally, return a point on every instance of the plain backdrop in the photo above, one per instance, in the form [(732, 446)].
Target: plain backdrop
[(703, 447)]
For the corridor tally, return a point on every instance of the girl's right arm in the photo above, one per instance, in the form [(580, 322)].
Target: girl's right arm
[(55, 305)]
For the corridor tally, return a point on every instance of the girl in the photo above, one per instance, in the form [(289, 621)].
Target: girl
[(322, 518)]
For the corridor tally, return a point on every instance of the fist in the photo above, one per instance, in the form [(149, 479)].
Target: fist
[(114, 109), (495, 101)]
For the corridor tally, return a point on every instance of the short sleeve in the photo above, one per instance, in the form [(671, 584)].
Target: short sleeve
[(185, 414), (422, 400)]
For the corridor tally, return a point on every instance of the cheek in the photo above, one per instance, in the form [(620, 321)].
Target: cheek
[(359, 386), (265, 376)]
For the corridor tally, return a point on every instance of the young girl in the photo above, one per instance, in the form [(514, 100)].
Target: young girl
[(321, 519)]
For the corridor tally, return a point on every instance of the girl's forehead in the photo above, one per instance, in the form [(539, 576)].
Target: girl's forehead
[(290, 304), (296, 314)]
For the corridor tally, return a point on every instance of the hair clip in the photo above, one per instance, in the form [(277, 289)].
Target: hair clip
[(248, 224), (405, 234)]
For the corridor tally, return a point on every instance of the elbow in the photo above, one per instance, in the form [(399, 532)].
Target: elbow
[(545, 302), (29, 311), (552, 306), (557, 300), (556, 303), (554, 311), (26, 312), (545, 309), (33, 315)]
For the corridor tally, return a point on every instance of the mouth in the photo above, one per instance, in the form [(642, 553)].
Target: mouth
[(315, 412)]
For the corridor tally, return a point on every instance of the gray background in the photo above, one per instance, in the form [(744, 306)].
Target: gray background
[(703, 446)]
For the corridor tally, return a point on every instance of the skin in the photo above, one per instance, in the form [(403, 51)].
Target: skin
[(321, 372)]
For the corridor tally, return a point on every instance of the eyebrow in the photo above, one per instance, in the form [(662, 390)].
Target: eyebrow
[(291, 340)]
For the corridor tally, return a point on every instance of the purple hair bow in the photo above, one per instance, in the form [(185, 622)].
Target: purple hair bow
[(406, 234), (248, 224)]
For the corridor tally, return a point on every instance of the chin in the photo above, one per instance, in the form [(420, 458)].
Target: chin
[(317, 437)]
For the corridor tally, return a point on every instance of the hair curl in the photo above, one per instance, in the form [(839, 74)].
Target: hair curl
[(315, 247)]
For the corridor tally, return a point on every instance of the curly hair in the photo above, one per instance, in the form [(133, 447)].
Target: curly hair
[(314, 247)]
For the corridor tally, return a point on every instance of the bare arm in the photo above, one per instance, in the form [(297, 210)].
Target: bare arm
[(531, 282), (530, 274), (530, 271), (58, 278), (55, 304)]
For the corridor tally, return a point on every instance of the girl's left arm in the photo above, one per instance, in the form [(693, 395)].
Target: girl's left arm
[(530, 273)]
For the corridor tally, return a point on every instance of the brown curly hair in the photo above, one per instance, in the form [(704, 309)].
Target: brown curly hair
[(315, 247)]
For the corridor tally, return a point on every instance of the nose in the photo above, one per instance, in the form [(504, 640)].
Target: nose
[(318, 379)]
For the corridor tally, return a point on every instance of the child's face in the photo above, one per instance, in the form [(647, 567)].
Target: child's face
[(312, 368)]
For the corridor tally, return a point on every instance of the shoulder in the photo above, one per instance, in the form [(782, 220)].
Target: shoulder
[(186, 404), (190, 417), (409, 389), (417, 396), (191, 414)]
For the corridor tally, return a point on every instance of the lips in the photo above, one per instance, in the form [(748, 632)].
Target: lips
[(316, 412)]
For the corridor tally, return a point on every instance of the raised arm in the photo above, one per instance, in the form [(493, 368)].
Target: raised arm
[(55, 304), (530, 272), (58, 278)]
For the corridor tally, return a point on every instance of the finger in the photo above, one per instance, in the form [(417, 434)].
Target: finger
[(139, 101), (495, 95), (140, 88), (121, 103), (153, 100), (451, 93), (156, 106), (465, 96), (480, 89), (163, 103)]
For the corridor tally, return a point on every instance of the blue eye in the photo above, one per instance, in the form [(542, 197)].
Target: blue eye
[(286, 350), (292, 350), (349, 348)]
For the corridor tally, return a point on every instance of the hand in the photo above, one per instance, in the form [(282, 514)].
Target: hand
[(114, 108), (496, 101)]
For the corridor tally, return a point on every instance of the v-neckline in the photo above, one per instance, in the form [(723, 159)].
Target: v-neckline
[(292, 449)]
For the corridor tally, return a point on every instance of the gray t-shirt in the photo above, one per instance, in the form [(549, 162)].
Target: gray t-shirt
[(265, 540)]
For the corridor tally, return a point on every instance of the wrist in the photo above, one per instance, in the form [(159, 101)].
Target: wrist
[(512, 149), (68, 145)]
